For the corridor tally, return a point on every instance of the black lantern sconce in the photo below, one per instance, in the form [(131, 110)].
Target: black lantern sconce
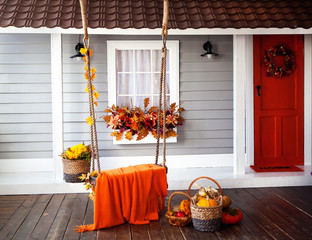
[(78, 56), (208, 48)]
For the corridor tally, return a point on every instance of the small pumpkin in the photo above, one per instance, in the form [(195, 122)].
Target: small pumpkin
[(185, 207), (226, 201), (207, 203)]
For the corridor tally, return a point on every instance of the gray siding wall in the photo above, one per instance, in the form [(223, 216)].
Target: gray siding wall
[(206, 88), (25, 96)]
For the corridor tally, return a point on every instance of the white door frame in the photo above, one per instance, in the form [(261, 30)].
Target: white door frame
[(307, 101)]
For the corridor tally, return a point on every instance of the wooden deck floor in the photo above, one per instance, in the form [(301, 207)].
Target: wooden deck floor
[(269, 213)]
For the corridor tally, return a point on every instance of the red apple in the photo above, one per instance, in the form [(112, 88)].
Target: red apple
[(180, 214)]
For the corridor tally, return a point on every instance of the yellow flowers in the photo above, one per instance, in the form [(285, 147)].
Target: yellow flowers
[(77, 152), (89, 75)]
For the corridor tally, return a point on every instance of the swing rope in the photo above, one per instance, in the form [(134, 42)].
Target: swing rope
[(86, 42), (162, 87)]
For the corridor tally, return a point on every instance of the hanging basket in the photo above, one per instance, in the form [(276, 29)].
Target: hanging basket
[(74, 168), (177, 221), (206, 219)]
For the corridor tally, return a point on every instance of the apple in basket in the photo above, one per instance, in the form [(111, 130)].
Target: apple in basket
[(180, 214)]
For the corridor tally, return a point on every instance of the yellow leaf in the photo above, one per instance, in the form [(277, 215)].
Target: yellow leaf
[(96, 103), (87, 89), (89, 120), (154, 133), (113, 134), (107, 118), (172, 107), (93, 70), (128, 135), (171, 133), (119, 135), (153, 109), (144, 132), (96, 95), (140, 136), (83, 177), (83, 50), (146, 102)]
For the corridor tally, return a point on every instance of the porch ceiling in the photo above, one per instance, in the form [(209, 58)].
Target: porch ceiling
[(139, 14)]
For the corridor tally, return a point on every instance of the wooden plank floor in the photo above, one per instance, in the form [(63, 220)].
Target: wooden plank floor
[(269, 213)]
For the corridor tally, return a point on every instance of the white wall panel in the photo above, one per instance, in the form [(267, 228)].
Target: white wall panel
[(25, 96), (206, 90)]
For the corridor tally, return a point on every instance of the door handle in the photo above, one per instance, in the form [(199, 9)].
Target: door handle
[(258, 90)]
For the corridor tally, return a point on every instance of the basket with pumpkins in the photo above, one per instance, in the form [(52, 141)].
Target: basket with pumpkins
[(206, 206), (179, 215)]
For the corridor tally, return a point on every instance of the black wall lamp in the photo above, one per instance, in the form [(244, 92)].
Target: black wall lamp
[(208, 48), (78, 56)]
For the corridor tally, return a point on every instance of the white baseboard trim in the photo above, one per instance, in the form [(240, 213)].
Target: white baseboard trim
[(173, 161), (26, 165)]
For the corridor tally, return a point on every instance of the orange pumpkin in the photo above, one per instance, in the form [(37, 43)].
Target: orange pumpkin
[(207, 203)]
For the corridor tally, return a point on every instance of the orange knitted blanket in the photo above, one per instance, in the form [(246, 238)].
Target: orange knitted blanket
[(133, 194)]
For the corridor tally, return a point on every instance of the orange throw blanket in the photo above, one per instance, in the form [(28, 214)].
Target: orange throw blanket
[(133, 194)]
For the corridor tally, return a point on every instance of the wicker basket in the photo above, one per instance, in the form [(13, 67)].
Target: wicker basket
[(74, 168), (178, 221), (206, 219)]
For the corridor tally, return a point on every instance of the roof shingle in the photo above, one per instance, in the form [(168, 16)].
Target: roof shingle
[(148, 14)]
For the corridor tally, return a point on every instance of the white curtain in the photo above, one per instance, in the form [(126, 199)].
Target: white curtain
[(138, 73)]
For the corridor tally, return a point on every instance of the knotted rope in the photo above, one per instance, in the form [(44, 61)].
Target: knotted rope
[(86, 42), (162, 87)]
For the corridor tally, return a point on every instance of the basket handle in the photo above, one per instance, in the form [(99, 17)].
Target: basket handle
[(169, 203), (189, 190)]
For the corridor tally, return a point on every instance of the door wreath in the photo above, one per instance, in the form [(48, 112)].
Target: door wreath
[(278, 71)]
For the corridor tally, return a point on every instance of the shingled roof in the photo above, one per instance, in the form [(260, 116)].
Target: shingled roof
[(148, 14)]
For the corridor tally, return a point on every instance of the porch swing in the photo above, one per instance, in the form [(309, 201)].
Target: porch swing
[(143, 187)]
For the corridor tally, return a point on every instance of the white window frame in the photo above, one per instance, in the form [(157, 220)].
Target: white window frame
[(173, 48)]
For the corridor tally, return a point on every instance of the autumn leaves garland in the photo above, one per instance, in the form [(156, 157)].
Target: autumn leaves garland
[(92, 76)]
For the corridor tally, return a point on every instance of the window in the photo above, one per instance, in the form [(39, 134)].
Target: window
[(134, 72), (133, 69)]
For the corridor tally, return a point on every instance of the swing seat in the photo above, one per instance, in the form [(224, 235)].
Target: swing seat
[(133, 194)]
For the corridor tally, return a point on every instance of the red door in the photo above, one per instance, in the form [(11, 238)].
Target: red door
[(278, 104)]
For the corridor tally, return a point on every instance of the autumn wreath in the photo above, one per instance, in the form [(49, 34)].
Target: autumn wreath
[(272, 68)]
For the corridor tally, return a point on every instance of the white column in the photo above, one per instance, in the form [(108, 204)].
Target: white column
[(307, 99), (249, 103), (240, 72), (57, 103)]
